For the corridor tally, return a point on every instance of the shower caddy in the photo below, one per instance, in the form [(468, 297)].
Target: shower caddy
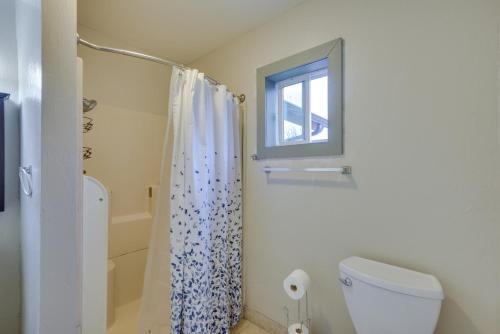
[(88, 124)]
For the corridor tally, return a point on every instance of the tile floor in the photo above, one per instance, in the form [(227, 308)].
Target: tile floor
[(246, 327), (127, 317)]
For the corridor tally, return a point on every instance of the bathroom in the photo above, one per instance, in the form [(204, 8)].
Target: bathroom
[(408, 175)]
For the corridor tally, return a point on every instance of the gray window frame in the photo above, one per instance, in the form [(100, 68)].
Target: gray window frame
[(328, 55)]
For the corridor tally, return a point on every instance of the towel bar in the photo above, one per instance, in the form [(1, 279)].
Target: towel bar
[(344, 170)]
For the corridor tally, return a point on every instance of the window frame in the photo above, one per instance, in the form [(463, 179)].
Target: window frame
[(329, 57)]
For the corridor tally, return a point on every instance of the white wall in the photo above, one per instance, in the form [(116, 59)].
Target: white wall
[(498, 156), (49, 121), (421, 134), (61, 171), (127, 139), (10, 251), (29, 37)]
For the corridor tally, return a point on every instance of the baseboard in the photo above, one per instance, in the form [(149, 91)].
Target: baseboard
[(267, 324)]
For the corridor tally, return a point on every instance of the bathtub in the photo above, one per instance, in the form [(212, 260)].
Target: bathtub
[(128, 249), (128, 245)]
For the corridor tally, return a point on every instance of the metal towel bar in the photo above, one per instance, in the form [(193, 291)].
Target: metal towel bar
[(344, 170)]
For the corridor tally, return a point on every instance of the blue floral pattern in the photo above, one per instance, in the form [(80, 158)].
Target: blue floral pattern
[(206, 209)]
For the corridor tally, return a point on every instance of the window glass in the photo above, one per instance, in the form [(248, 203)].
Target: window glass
[(319, 108), (303, 109), (294, 120)]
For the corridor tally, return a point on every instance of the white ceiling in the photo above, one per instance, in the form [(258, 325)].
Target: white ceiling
[(181, 30)]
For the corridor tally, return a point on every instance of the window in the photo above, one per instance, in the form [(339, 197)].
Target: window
[(303, 109), (300, 104)]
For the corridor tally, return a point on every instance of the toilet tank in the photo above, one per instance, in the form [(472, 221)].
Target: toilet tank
[(385, 299)]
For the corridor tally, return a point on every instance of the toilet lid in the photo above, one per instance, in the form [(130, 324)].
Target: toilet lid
[(392, 278)]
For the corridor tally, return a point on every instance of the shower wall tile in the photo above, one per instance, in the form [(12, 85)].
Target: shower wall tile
[(126, 155), (129, 122)]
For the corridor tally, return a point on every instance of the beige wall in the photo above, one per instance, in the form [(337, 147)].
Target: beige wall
[(10, 251), (420, 133)]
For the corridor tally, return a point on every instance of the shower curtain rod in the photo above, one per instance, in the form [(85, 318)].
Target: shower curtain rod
[(134, 54)]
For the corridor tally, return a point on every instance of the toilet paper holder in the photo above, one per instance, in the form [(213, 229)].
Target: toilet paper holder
[(296, 286), (307, 322)]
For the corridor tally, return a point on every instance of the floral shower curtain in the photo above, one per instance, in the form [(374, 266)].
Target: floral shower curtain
[(204, 212)]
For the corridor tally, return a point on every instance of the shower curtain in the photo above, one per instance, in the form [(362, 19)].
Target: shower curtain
[(199, 210)]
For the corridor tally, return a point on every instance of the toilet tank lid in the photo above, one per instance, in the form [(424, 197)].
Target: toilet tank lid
[(392, 278)]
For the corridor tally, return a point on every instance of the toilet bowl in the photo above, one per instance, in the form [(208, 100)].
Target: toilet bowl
[(385, 299)]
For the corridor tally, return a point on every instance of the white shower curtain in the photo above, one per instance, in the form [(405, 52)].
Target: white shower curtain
[(199, 210)]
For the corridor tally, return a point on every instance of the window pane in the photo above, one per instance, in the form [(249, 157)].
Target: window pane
[(319, 108), (293, 113)]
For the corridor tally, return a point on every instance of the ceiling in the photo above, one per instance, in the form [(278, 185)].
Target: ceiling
[(180, 30)]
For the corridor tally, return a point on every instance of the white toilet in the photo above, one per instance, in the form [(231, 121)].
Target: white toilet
[(384, 299)]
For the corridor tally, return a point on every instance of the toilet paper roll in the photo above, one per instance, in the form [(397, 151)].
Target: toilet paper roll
[(296, 284), (298, 329)]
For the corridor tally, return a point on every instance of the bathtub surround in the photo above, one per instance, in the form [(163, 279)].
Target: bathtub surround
[(128, 132), (421, 134), (122, 163), (126, 156), (127, 146)]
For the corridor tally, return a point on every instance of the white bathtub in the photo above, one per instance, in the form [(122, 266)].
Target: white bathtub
[(128, 248)]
